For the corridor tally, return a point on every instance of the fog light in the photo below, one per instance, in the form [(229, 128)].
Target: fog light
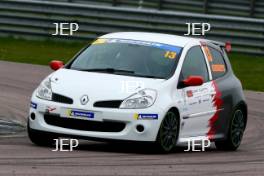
[(140, 128), (32, 116)]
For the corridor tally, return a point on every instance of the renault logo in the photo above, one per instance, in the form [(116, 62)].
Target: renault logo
[(84, 99)]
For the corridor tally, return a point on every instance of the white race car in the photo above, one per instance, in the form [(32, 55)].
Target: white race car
[(137, 86)]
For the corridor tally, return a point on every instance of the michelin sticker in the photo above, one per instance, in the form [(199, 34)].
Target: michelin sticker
[(78, 113), (33, 105), (146, 116)]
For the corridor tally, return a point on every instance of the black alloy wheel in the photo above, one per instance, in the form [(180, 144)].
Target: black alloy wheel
[(168, 133)]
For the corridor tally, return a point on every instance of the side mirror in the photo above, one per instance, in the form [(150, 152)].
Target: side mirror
[(193, 81), (55, 64)]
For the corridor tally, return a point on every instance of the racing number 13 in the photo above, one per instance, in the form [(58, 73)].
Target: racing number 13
[(170, 54)]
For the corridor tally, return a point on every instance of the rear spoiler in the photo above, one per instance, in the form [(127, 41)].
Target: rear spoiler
[(227, 45)]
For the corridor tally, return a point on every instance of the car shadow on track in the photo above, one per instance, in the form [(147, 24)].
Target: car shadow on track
[(130, 147)]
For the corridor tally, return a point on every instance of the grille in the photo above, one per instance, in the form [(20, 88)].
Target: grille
[(108, 104), (85, 125), (61, 99)]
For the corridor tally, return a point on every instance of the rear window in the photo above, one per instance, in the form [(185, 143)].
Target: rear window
[(217, 63)]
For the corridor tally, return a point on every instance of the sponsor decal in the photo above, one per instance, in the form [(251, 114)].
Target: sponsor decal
[(203, 89), (206, 100), (145, 116), (208, 53), (169, 48), (79, 113), (218, 68), (33, 105), (99, 41), (217, 102), (189, 93), (193, 103), (50, 109)]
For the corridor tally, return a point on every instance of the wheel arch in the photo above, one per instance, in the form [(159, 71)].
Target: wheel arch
[(243, 105), (177, 112), (244, 108)]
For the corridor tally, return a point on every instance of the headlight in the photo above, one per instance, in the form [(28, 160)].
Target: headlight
[(44, 90), (143, 99)]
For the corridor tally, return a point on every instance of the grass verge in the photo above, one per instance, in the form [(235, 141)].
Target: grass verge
[(249, 69)]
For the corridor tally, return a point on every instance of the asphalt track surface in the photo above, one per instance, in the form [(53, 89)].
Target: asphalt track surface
[(18, 156)]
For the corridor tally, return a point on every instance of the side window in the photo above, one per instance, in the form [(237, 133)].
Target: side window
[(194, 64), (217, 63)]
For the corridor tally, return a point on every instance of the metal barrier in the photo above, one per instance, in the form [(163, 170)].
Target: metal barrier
[(246, 8), (36, 18)]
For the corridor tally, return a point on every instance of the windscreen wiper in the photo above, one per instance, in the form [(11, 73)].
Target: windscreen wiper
[(148, 76), (119, 71), (108, 70)]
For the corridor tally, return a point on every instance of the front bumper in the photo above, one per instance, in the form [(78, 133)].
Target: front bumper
[(127, 116)]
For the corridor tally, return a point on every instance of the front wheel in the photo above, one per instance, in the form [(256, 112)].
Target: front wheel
[(168, 132), (235, 133)]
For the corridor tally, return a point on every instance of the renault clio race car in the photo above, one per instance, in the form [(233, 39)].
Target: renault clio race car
[(136, 86)]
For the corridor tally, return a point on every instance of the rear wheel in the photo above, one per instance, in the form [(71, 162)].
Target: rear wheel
[(168, 133), (235, 133), (40, 138)]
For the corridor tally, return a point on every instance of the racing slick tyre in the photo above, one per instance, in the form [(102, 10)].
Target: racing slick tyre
[(40, 138), (168, 132), (235, 133)]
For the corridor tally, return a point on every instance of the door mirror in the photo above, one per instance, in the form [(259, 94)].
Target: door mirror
[(193, 81), (55, 64)]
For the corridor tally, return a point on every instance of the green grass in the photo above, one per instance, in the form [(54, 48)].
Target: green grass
[(37, 52), (249, 69)]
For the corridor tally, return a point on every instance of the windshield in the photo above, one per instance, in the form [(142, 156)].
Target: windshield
[(128, 57)]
